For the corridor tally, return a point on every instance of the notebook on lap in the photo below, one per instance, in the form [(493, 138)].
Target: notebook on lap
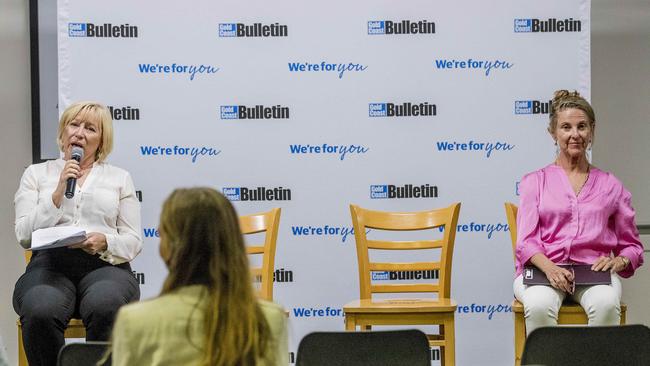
[(582, 273)]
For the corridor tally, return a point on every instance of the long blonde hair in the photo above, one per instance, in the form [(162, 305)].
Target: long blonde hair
[(200, 234)]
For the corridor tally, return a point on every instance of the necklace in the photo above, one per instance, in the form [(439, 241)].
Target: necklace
[(577, 191), (585, 182)]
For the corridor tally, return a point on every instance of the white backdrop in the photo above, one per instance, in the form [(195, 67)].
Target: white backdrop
[(329, 74)]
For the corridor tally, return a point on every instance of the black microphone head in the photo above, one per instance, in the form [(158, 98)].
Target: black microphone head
[(77, 153)]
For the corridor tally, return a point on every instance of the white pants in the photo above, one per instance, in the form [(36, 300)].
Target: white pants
[(602, 303)]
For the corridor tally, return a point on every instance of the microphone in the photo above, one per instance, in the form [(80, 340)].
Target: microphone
[(77, 154)]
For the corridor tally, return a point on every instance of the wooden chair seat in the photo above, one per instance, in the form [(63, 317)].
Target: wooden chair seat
[(400, 306)]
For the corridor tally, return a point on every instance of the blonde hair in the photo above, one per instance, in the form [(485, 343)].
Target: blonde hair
[(105, 124), (564, 99), (203, 244)]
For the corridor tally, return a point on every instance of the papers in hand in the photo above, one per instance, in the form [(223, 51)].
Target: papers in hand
[(56, 237)]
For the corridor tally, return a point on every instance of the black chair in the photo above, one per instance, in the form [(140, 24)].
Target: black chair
[(83, 354), (593, 346), (390, 348)]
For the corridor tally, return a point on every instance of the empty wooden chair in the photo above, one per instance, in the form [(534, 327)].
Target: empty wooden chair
[(435, 307)]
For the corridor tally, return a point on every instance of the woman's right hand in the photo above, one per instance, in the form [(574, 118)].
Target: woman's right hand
[(71, 169), (560, 278)]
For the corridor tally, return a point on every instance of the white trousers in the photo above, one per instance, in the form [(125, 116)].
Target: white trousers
[(602, 303)]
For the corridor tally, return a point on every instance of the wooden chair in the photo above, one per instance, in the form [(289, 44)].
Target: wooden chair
[(267, 222), (570, 312), (75, 329), (430, 310)]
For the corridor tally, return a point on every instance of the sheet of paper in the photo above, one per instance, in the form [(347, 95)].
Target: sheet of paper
[(55, 237)]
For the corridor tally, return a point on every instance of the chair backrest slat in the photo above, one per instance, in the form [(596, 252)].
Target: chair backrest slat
[(411, 266), (404, 288), (256, 249), (405, 245)]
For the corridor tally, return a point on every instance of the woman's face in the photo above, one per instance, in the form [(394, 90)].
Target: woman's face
[(573, 132), (83, 131)]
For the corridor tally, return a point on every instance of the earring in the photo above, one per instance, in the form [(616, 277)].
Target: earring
[(557, 149), (589, 146)]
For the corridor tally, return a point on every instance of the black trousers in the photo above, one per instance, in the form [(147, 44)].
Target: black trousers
[(63, 283)]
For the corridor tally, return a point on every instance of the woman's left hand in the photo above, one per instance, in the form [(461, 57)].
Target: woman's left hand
[(613, 265), (94, 243)]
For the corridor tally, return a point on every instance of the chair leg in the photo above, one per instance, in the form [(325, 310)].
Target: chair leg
[(22, 357), (448, 352), (623, 317), (350, 323), (441, 331), (520, 337)]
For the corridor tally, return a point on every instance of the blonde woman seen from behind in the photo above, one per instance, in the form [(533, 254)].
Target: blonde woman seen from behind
[(207, 312)]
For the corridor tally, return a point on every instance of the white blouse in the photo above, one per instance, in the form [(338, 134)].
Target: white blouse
[(105, 203)]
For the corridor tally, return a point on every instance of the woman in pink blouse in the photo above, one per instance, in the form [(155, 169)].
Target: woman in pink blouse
[(573, 212)]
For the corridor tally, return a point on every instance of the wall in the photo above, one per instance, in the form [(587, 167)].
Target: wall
[(15, 140), (620, 91), (621, 86)]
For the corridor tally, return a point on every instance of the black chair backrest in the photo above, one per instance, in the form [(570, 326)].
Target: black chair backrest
[(390, 348), (593, 346), (83, 354)]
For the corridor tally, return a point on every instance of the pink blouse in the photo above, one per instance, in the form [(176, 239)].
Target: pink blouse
[(570, 229)]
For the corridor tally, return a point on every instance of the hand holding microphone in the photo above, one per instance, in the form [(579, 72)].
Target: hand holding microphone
[(70, 185), (68, 178)]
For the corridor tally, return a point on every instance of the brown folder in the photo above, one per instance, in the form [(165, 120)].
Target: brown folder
[(582, 273)]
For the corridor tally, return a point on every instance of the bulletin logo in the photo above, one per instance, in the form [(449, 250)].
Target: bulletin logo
[(257, 194), (106, 30), (406, 109), (254, 112), (532, 107), (279, 275), (253, 30), (430, 274), (388, 191), (551, 25), (127, 113), (388, 27)]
